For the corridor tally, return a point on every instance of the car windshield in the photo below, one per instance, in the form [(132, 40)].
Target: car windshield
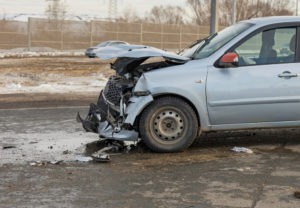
[(190, 50), (217, 40)]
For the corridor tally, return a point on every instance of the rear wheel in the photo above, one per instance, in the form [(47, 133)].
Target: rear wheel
[(169, 124)]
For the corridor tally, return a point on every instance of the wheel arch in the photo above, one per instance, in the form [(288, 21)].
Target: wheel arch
[(182, 98), (189, 102)]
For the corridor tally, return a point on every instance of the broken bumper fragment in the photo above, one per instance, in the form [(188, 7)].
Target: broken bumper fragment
[(105, 130), (102, 121)]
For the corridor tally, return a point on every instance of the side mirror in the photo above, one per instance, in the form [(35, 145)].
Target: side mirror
[(229, 60)]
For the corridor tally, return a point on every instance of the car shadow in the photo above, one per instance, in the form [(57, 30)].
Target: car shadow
[(248, 138)]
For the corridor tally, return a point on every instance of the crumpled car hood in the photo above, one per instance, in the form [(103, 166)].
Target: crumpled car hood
[(129, 57)]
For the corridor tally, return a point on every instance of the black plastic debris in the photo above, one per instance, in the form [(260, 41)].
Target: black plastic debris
[(8, 146), (297, 194), (66, 152), (101, 151)]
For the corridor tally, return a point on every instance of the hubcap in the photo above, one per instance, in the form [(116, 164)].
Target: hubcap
[(168, 125)]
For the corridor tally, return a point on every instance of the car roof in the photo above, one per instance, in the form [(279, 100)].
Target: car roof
[(112, 41), (273, 20)]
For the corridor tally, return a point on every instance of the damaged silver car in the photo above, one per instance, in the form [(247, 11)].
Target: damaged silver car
[(240, 78)]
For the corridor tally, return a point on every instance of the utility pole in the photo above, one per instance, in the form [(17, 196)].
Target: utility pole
[(296, 7), (214, 16), (233, 19)]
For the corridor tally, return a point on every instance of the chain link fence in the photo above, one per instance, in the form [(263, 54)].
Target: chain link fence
[(70, 35)]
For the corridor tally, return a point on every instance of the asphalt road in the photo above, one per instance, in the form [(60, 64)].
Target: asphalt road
[(206, 175)]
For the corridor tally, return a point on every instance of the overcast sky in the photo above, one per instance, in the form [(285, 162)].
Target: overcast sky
[(76, 7)]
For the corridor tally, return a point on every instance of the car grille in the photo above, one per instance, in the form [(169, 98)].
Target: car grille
[(113, 89)]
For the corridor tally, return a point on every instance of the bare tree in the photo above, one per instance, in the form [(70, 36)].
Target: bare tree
[(200, 10), (129, 15), (166, 15), (3, 15), (246, 9), (255, 8), (56, 10)]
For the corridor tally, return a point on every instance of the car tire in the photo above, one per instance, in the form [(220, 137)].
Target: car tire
[(168, 124)]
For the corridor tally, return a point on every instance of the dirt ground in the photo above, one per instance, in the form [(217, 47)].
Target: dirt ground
[(69, 66), (54, 78)]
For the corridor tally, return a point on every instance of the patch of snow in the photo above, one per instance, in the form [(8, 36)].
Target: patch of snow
[(63, 85), (45, 146), (37, 52)]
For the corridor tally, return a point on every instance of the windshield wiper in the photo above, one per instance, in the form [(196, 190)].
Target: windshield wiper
[(206, 41), (209, 38)]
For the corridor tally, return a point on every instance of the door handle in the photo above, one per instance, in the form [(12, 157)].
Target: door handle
[(287, 74)]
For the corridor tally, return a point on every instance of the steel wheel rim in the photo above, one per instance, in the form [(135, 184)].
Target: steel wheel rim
[(168, 125)]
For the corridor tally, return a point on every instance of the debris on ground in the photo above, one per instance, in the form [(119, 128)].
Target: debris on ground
[(81, 158), (112, 147), (101, 150), (37, 163), (297, 194), (66, 152), (242, 150), (44, 163), (237, 169), (8, 146), (56, 162), (101, 158)]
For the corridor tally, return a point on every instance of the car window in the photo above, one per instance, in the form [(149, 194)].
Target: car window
[(190, 50), (268, 47), (116, 43), (102, 44)]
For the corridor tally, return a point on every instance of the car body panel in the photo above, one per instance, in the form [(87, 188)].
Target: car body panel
[(136, 106), (235, 114), (228, 98), (253, 94), (187, 81), (136, 51), (91, 51)]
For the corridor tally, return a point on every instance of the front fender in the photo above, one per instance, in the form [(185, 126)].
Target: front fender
[(135, 107), (138, 104), (165, 82)]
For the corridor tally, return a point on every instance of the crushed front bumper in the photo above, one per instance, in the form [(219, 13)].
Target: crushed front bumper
[(105, 130), (97, 121)]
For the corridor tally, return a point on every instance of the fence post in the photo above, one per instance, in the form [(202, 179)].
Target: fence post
[(162, 36), (117, 30), (91, 32), (62, 35), (141, 34), (29, 33), (180, 38)]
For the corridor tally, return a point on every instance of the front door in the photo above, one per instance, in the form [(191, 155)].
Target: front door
[(264, 88)]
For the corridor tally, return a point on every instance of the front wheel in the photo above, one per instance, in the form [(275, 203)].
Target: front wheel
[(169, 124)]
